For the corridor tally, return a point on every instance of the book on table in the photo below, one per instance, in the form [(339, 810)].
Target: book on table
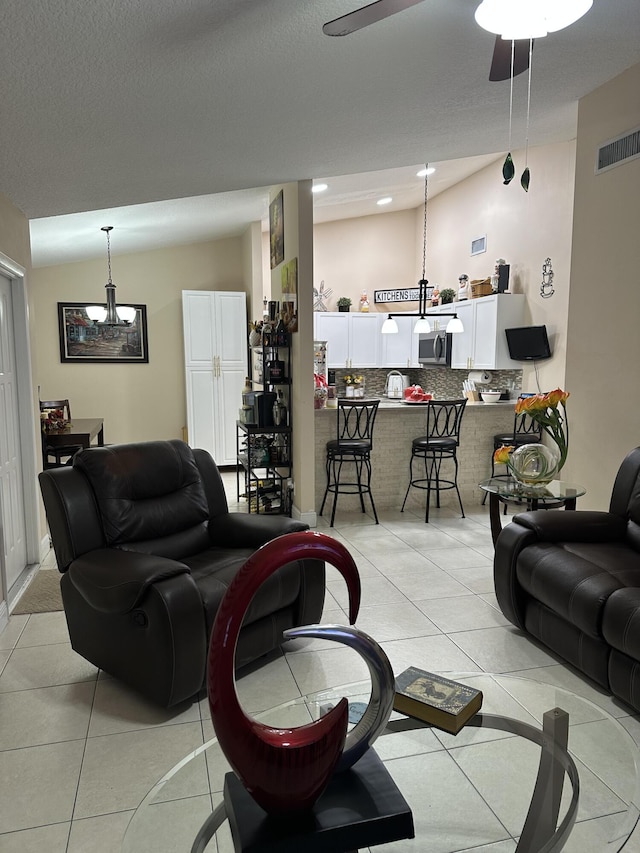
[(439, 701)]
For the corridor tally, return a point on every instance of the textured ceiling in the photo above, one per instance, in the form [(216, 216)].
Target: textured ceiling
[(106, 104)]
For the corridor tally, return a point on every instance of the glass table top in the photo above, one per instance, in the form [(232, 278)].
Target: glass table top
[(511, 489), (467, 791)]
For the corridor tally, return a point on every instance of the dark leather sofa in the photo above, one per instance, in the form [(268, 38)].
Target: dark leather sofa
[(147, 548), (571, 579)]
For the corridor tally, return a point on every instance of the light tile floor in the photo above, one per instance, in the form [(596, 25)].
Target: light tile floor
[(79, 751)]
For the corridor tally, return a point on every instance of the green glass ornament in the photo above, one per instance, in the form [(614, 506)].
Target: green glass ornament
[(508, 169), (524, 180)]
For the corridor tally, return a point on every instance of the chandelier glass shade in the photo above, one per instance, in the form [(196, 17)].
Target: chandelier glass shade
[(111, 314), (529, 19)]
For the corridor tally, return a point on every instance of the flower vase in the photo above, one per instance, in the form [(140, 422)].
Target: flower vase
[(534, 464), (359, 392), (350, 391)]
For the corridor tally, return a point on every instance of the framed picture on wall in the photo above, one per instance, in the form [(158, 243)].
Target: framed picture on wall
[(81, 340), (276, 230)]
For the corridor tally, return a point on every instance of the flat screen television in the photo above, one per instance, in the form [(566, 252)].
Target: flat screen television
[(528, 343)]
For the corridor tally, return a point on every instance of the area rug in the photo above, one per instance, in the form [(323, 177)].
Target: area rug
[(42, 595)]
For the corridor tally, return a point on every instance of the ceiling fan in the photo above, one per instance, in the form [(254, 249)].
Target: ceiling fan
[(377, 11)]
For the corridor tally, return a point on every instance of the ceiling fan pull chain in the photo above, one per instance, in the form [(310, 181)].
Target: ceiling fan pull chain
[(526, 175), (508, 169)]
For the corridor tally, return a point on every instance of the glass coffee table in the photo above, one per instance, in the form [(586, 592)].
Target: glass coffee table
[(472, 790), (506, 490)]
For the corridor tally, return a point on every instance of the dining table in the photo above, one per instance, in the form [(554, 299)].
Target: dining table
[(81, 431)]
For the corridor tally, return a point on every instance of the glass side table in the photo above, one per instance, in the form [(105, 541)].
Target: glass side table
[(506, 490)]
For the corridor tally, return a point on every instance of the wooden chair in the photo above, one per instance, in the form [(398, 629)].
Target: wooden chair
[(55, 456)]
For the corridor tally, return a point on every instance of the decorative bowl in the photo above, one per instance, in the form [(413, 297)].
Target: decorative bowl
[(490, 396)]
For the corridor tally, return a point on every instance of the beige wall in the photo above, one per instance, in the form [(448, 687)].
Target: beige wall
[(366, 253), (524, 229), (603, 351), (138, 402)]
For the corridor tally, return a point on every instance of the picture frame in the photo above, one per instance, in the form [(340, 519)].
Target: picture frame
[(276, 230), (81, 340)]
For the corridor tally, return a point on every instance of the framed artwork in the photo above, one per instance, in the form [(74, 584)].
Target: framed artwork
[(276, 230), (81, 340), (289, 283)]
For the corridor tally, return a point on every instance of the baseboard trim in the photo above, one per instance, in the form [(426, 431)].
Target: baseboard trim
[(4, 616), (310, 518)]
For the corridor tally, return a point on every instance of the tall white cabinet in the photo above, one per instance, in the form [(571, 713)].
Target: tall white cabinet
[(215, 354)]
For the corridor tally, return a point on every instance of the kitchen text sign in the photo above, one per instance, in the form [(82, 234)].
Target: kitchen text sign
[(410, 294)]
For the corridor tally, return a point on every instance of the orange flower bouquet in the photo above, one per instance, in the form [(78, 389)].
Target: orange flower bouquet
[(545, 409)]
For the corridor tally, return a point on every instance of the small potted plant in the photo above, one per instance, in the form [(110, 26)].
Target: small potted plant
[(344, 303), (447, 295)]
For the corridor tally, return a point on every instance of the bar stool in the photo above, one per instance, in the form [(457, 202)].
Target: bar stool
[(526, 430), (352, 447), (440, 444)]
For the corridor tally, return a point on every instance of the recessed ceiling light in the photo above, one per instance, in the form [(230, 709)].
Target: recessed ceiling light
[(424, 172), (319, 188), (386, 200)]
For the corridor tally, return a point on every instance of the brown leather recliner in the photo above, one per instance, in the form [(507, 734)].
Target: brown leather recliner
[(147, 548), (572, 580)]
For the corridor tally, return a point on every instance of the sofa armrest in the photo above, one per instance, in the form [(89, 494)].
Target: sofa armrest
[(573, 525), (114, 581), (244, 530)]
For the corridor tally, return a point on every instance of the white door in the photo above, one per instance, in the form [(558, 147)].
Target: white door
[(13, 538), (215, 338), (365, 343)]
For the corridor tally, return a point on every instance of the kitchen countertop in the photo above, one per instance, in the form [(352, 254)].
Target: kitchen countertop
[(387, 403)]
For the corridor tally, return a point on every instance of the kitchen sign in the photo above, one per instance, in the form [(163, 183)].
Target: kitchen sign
[(410, 294)]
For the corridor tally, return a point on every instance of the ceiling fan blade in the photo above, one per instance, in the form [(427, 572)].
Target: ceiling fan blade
[(501, 62), (365, 16)]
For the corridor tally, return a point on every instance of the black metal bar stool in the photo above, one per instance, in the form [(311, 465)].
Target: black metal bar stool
[(526, 430), (352, 447), (439, 445)]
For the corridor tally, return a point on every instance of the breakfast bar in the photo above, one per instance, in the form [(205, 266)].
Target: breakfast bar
[(396, 426)]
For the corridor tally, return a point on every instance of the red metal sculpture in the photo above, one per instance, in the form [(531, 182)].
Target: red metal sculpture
[(284, 769)]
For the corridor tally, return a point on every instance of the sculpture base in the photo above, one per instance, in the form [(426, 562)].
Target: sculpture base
[(361, 807)]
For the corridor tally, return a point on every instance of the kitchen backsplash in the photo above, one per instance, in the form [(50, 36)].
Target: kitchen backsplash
[(444, 383)]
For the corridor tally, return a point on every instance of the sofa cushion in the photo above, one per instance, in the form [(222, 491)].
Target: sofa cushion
[(621, 623), (145, 491), (214, 570), (575, 580)]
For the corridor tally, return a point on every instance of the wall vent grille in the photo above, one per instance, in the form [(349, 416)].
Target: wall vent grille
[(619, 150)]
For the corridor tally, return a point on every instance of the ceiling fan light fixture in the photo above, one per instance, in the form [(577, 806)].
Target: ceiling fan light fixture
[(529, 19)]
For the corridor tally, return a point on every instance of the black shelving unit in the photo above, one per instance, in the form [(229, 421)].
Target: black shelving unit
[(264, 449)]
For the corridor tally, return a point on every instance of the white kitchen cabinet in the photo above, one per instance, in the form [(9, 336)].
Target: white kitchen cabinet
[(399, 350), (215, 348), (353, 340), (483, 344)]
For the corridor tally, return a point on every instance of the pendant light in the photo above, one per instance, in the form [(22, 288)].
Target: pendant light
[(112, 315), (425, 290)]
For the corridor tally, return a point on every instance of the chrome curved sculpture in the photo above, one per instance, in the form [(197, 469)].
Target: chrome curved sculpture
[(286, 769)]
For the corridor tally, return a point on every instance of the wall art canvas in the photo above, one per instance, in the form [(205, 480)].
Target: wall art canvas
[(289, 281), (81, 340), (276, 230)]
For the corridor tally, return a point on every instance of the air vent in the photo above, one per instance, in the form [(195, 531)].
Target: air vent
[(618, 150)]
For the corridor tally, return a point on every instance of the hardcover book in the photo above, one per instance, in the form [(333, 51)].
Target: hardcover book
[(439, 701)]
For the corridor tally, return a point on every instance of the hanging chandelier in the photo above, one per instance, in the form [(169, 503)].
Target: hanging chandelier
[(112, 314), (425, 290)]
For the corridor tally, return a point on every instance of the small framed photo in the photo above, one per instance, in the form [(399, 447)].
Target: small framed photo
[(81, 340), (276, 230)]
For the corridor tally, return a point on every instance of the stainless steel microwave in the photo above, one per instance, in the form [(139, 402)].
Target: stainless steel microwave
[(434, 349)]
